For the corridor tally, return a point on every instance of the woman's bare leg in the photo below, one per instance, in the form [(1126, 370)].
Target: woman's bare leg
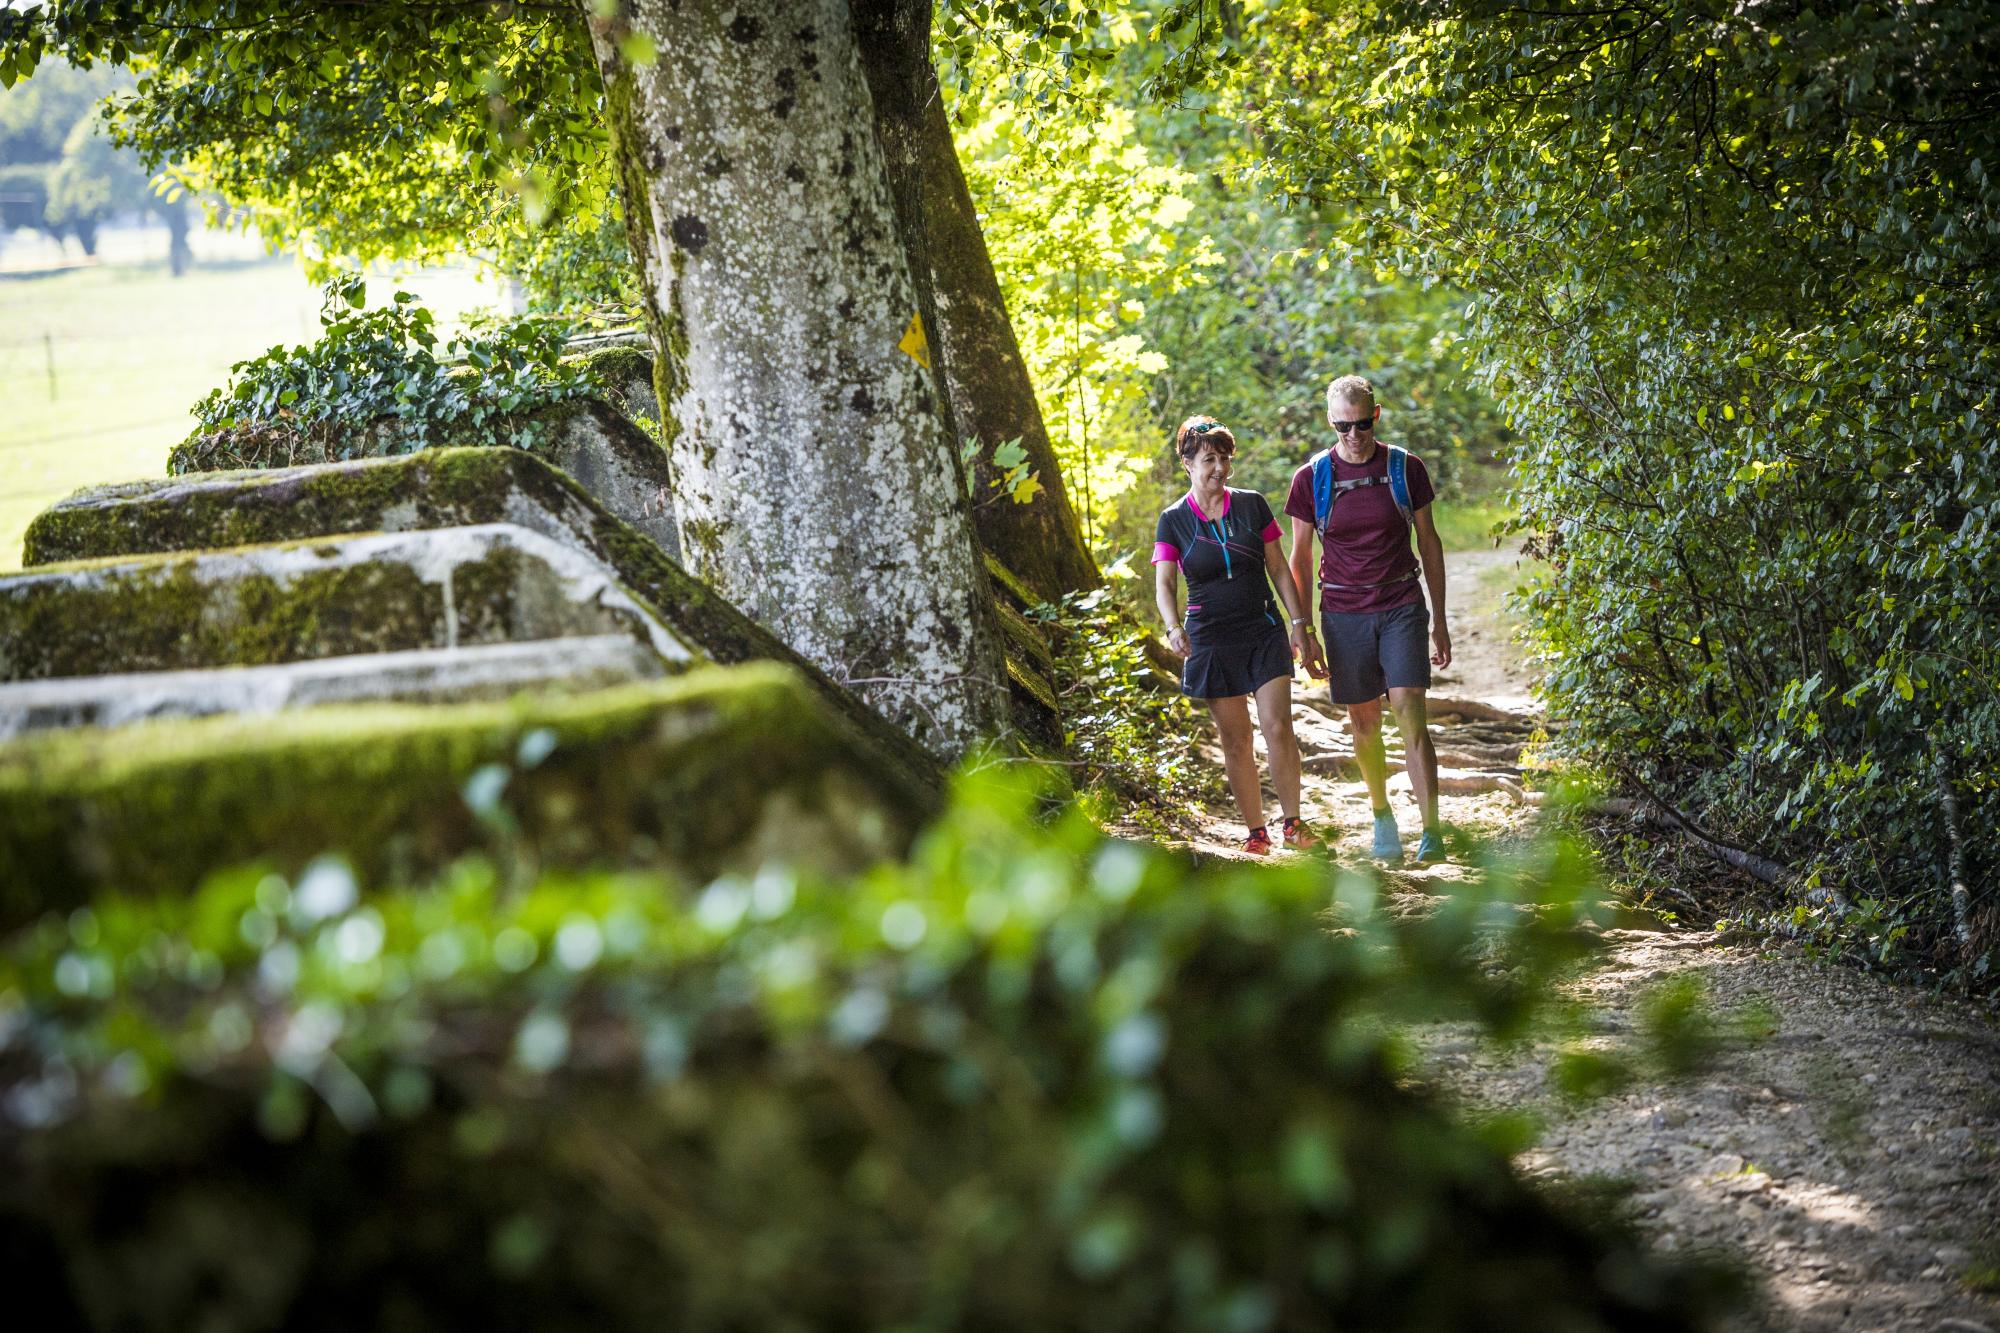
[(1281, 747), (1239, 759)]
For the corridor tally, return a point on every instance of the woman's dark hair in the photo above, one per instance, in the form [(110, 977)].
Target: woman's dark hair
[(1199, 433)]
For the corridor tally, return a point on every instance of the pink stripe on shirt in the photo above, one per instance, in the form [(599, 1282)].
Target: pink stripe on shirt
[(1197, 508), (1166, 553), (1270, 532)]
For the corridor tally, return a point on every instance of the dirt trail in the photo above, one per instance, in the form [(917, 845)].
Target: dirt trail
[(1847, 1153)]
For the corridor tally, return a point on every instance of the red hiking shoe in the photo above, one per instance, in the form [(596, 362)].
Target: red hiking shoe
[(1258, 843), (1298, 834)]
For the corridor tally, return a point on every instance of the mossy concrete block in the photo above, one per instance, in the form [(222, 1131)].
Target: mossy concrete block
[(258, 605), (610, 457), (619, 465), (427, 675), (623, 373), (710, 771), (432, 489)]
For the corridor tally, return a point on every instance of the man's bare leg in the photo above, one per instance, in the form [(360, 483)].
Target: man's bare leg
[(1367, 722), (1419, 755), (1386, 842)]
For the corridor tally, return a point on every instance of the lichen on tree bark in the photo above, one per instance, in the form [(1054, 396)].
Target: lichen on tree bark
[(816, 482), (991, 396)]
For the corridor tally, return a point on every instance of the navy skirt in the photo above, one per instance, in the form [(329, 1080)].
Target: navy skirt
[(1230, 669)]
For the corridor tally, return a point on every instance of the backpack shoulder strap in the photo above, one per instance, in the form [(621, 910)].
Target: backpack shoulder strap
[(1399, 481), (1322, 474)]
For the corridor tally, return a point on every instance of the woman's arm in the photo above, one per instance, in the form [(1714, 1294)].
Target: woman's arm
[(1167, 595), (1281, 579), (1305, 644)]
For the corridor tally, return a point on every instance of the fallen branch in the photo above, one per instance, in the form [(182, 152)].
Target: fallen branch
[(1749, 862)]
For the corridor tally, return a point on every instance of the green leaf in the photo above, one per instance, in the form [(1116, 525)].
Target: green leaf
[(638, 49)]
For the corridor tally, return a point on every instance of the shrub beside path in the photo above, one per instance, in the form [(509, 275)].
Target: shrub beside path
[(1834, 1133)]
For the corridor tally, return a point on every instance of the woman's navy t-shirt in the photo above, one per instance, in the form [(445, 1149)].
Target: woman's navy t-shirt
[(1222, 558)]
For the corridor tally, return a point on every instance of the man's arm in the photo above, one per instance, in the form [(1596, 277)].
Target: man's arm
[(1302, 561), (1430, 549)]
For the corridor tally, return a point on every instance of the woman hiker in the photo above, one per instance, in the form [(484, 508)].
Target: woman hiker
[(1226, 543)]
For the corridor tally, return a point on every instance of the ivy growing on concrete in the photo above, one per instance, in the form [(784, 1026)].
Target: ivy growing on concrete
[(377, 383)]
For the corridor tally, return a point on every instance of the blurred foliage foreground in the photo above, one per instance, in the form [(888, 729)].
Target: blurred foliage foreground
[(1032, 1077)]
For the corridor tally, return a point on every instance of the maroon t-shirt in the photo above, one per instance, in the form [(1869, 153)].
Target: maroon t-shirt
[(1367, 541)]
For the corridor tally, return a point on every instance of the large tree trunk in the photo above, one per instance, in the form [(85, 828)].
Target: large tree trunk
[(816, 481), (973, 343)]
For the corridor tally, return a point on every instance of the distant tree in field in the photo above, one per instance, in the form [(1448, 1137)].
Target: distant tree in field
[(37, 115), (97, 180), (60, 171), (24, 196)]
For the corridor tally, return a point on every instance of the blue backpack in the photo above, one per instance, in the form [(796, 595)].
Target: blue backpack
[(1326, 490)]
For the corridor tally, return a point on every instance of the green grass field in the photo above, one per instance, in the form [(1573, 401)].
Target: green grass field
[(1465, 523), (134, 348)]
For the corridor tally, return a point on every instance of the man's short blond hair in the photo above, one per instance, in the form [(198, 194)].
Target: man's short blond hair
[(1348, 388)]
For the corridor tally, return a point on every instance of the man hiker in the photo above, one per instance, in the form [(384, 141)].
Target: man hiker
[(1362, 499)]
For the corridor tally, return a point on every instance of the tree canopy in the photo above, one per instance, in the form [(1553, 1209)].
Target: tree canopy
[(1731, 270), (363, 132)]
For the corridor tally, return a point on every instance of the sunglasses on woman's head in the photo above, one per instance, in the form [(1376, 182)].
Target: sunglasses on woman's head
[(1366, 423)]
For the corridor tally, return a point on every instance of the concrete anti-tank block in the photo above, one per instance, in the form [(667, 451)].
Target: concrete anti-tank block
[(704, 772), (430, 489), (618, 466), (255, 606), (424, 675)]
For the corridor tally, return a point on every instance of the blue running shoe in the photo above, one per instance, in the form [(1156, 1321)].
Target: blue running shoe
[(1431, 847), (1388, 841)]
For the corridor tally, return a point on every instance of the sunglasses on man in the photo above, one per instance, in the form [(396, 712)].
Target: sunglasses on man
[(1366, 423)]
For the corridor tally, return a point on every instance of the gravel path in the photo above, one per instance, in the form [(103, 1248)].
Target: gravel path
[(1843, 1144)]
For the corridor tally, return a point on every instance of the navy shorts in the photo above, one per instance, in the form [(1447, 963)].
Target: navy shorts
[(1371, 652), (1232, 669)]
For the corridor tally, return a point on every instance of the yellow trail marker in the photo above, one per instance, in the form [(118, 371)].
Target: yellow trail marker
[(913, 342)]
